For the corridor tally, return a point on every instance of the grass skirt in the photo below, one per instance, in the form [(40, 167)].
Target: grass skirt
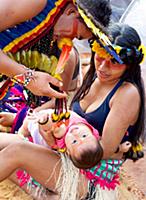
[(69, 181)]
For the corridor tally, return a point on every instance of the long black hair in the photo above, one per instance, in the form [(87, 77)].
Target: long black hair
[(127, 38)]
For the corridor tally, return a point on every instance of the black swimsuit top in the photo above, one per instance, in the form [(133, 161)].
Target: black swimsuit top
[(97, 117)]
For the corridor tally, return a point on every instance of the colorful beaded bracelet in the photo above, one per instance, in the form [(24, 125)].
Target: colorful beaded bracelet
[(25, 78)]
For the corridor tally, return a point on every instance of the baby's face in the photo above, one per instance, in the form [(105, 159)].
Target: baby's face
[(78, 138)]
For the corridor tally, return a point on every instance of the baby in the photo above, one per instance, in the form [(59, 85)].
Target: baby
[(74, 136), (77, 138)]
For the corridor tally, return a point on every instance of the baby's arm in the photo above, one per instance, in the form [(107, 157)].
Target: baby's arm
[(48, 129), (7, 118), (59, 131), (45, 125), (23, 130)]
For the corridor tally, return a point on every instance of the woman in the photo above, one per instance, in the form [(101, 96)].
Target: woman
[(117, 109), (117, 118), (113, 83)]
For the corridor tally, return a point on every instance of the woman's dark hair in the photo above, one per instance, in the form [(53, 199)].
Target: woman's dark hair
[(87, 82), (126, 37)]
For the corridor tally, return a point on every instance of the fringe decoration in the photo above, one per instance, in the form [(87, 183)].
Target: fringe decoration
[(68, 181), (35, 60)]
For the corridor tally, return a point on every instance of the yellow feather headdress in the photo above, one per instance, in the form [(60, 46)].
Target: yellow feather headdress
[(102, 41), (143, 51)]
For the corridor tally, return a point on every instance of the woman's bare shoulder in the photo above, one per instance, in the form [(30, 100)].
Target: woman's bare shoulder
[(126, 90), (129, 90), (127, 98)]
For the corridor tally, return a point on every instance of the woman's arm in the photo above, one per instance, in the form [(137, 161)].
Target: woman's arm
[(37, 81), (123, 113), (14, 12), (47, 105)]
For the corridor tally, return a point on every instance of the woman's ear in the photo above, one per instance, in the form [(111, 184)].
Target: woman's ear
[(71, 10)]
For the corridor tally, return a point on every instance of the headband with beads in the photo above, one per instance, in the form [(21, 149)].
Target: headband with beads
[(103, 54)]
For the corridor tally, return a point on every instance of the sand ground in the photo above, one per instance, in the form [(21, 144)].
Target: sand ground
[(9, 191)]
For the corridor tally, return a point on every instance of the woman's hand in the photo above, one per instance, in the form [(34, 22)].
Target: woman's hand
[(7, 118), (40, 85), (38, 82), (5, 129)]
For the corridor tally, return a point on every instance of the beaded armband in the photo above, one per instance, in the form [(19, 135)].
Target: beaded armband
[(25, 78)]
